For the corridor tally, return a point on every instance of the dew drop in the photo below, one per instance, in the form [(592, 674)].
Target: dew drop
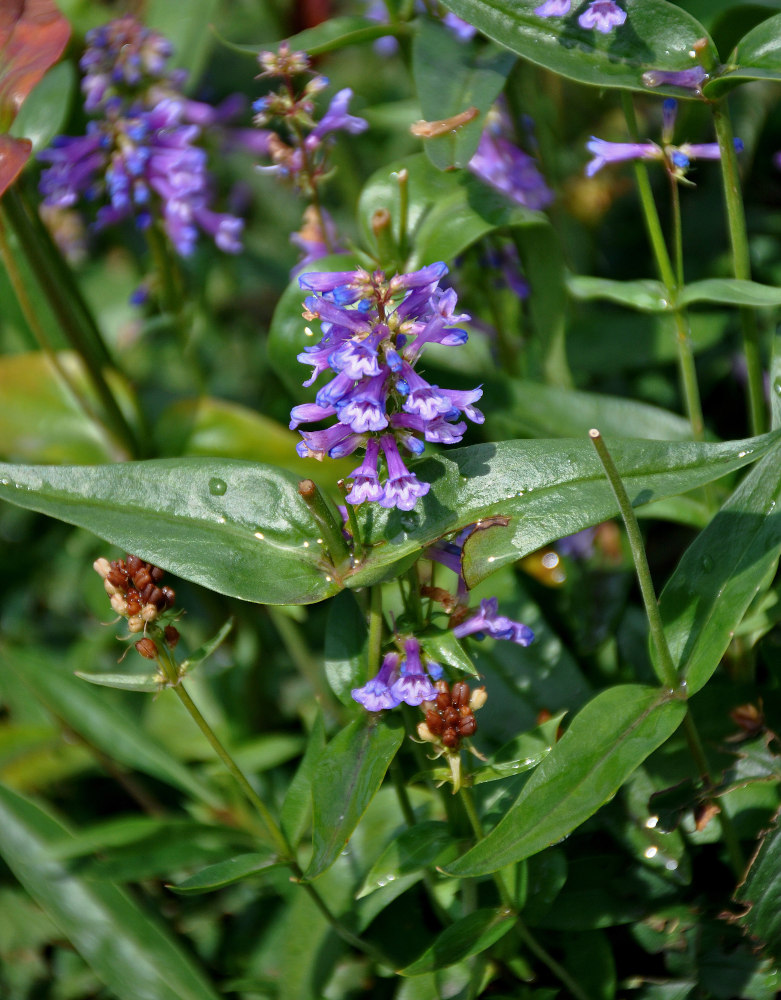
[(651, 822), (306, 545), (408, 521), (220, 520), (550, 560), (777, 386), (491, 559), (319, 541), (707, 563), (259, 535), (217, 487), (651, 852)]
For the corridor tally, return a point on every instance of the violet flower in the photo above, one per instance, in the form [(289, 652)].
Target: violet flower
[(401, 678), (689, 79), (553, 8), (603, 16), (374, 329), (488, 621), (501, 164)]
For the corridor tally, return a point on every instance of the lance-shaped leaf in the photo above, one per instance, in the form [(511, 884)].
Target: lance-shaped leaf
[(468, 936), (347, 777), (757, 56), (761, 893), (607, 740), (228, 872), (656, 36), (130, 952), (721, 572)]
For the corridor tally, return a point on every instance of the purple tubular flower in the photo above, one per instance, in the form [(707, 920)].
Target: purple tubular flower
[(336, 119), (509, 170), (366, 482), (689, 79), (463, 30), (553, 8), (376, 695), (414, 686), (488, 621), (617, 152), (603, 15), (402, 489)]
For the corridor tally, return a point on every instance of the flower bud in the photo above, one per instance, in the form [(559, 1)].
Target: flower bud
[(149, 612), (425, 733), (119, 604), (135, 624), (102, 567), (478, 699)]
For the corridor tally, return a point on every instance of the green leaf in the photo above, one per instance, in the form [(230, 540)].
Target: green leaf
[(239, 528), (761, 893), (346, 647), (119, 832), (656, 36), (40, 418), (125, 682), (335, 33), (424, 845), (347, 777), (775, 383), (130, 952), (721, 572), (731, 292), (101, 723), (545, 490), (521, 754), (205, 651), (445, 648), (43, 114), (224, 873), (644, 295), (529, 408), (297, 807), (184, 26), (757, 56), (606, 741), (450, 77), (468, 936)]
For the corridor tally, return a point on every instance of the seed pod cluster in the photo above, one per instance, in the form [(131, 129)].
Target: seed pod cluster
[(136, 592), (451, 716)]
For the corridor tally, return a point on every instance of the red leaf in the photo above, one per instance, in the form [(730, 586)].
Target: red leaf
[(14, 153), (33, 34)]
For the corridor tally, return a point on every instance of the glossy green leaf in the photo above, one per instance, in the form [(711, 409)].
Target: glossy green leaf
[(40, 418), (336, 33), (445, 648), (521, 754), (721, 572), (605, 742), (100, 722), (184, 25), (468, 936), (424, 845), (545, 490), (240, 528), (530, 408), (731, 292), (124, 682), (760, 892), (757, 56), (645, 295), (296, 810), (130, 952), (346, 647), (451, 77), (542, 258), (224, 873), (348, 774), (656, 36), (43, 114), (119, 832), (775, 383)]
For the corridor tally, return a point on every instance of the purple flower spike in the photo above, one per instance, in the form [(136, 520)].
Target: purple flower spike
[(501, 164), (488, 621), (402, 489), (376, 694), (602, 15), (553, 8)]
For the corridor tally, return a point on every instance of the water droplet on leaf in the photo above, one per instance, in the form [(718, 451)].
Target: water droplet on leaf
[(217, 487)]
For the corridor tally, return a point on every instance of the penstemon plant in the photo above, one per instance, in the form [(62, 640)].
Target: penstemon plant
[(373, 692)]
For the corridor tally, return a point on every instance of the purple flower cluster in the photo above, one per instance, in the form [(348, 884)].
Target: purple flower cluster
[(401, 678), (508, 169), (677, 159), (141, 159), (374, 330), (600, 15)]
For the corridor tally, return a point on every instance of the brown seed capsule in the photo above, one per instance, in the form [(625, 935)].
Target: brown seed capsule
[(133, 604), (170, 596), (147, 648), (142, 578), (146, 591), (134, 564), (450, 738), (450, 715), (117, 577), (434, 722), (465, 710), (467, 726), (443, 700), (460, 692), (171, 635), (156, 573), (156, 597)]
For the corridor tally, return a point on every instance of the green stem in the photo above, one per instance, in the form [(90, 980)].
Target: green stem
[(60, 300), (664, 657), (736, 220), (671, 277), (375, 630), (505, 896), (665, 660), (352, 520), (326, 522), (307, 665)]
